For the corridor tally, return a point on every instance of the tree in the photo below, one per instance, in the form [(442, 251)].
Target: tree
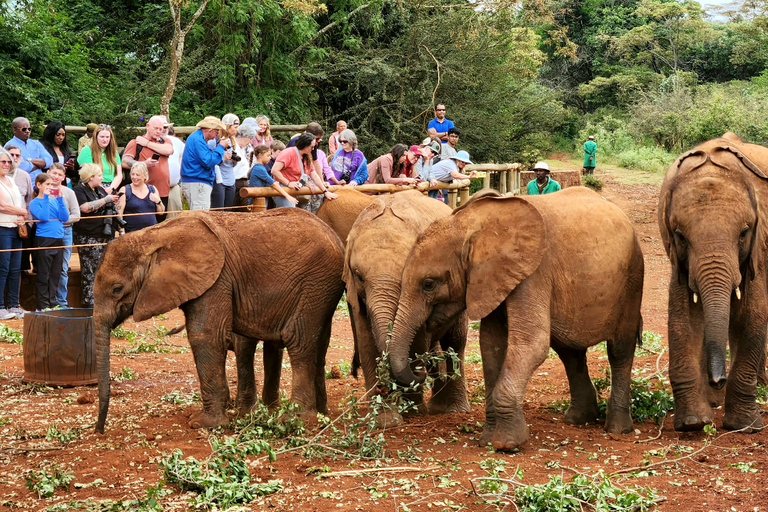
[(180, 32)]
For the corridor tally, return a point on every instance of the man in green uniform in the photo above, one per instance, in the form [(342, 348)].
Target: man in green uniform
[(590, 156), (543, 184)]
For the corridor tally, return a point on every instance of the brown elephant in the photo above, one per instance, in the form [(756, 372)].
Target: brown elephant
[(341, 213), (273, 276), (377, 247), (563, 270), (712, 218)]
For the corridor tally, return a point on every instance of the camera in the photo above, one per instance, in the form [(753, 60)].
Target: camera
[(112, 224), (236, 157)]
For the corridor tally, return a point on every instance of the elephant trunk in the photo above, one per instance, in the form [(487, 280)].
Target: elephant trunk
[(102, 337), (716, 303), (382, 309), (407, 325)]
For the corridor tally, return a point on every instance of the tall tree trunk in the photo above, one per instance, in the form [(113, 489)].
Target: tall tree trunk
[(177, 49)]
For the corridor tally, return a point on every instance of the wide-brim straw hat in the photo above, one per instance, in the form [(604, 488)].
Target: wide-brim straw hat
[(211, 122)]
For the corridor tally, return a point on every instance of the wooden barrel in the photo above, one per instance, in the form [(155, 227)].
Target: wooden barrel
[(59, 348)]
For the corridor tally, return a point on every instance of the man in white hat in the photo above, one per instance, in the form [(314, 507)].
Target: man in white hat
[(543, 184), (449, 169), (590, 156), (198, 166)]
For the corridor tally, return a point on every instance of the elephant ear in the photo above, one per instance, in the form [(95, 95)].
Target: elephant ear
[(502, 250), (183, 264)]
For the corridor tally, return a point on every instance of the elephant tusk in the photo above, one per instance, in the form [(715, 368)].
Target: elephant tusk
[(738, 294), (695, 298)]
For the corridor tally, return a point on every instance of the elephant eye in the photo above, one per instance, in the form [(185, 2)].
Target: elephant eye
[(428, 285), (680, 238), (744, 234), (117, 289), (359, 276)]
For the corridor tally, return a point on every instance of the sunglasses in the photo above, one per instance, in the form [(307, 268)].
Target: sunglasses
[(25, 130), (104, 127), (15, 155), (343, 141), (440, 110), (6, 162)]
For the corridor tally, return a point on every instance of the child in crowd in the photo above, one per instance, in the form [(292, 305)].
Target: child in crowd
[(50, 210), (260, 177), (276, 147)]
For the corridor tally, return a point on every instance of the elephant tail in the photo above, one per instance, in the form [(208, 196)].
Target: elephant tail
[(639, 335)]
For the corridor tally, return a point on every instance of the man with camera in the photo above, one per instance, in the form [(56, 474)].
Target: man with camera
[(198, 166), (153, 150)]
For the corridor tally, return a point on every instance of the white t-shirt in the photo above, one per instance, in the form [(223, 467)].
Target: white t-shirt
[(9, 194), (174, 161)]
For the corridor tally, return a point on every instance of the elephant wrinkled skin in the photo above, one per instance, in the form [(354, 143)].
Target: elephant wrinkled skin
[(563, 270), (238, 278), (377, 247), (712, 218)]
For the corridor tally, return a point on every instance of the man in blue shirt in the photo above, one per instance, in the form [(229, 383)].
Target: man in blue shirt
[(439, 126), (34, 157), (198, 172)]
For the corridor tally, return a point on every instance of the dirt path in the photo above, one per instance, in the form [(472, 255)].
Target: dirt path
[(156, 392)]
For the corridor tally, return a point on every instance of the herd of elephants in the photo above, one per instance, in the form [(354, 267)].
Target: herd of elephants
[(563, 270)]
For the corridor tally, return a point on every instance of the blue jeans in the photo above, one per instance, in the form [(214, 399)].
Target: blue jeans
[(10, 267), (281, 202), (61, 295), (222, 196)]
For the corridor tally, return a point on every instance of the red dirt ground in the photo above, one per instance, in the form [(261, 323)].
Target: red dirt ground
[(142, 429)]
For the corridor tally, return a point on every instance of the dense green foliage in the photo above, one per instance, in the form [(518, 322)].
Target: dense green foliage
[(649, 78)]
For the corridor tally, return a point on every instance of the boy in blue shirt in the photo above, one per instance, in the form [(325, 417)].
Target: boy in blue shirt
[(260, 177), (50, 210)]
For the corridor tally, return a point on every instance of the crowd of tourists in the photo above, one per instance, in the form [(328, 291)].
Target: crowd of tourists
[(53, 197)]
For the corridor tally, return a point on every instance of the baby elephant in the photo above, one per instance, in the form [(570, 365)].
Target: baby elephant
[(563, 270)]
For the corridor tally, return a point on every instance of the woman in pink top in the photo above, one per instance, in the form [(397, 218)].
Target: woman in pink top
[(264, 136), (397, 167), (294, 162)]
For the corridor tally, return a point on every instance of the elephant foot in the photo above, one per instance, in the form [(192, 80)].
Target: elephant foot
[(620, 423), (689, 419), (748, 423), (442, 406), (508, 440), (203, 419), (581, 415), (486, 437)]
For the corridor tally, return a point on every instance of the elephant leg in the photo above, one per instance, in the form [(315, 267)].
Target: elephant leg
[(687, 361), (493, 347), (527, 347), (450, 392), (273, 368), (207, 334), (583, 408), (747, 339), (246, 383), (621, 354), (321, 394)]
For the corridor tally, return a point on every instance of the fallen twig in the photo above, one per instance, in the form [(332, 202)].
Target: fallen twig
[(393, 469)]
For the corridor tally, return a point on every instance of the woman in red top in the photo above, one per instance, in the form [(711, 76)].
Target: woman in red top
[(292, 164)]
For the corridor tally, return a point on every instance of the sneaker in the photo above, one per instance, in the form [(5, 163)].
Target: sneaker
[(17, 312), (6, 315)]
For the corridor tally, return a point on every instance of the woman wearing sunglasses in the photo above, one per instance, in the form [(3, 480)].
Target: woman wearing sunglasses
[(349, 164), (12, 214)]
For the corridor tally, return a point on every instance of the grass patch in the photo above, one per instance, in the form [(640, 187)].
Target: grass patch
[(47, 480), (8, 335), (592, 182)]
